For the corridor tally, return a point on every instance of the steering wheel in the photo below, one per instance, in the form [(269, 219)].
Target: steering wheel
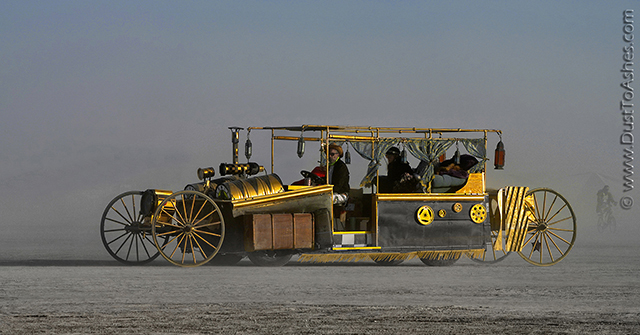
[(314, 179)]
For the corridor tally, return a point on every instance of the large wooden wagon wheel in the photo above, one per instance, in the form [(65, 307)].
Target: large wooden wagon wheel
[(194, 226), (551, 230), (124, 234)]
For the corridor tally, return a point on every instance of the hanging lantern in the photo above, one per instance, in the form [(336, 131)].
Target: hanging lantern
[(347, 156), (235, 136), (442, 157), (248, 150), (499, 157), (301, 145)]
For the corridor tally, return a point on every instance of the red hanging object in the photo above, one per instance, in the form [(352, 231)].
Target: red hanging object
[(499, 157)]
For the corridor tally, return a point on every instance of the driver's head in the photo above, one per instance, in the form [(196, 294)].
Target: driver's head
[(335, 152)]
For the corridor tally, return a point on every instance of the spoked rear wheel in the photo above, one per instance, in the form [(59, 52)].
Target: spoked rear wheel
[(551, 230), (194, 226), (123, 231)]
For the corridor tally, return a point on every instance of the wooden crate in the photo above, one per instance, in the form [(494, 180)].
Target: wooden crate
[(278, 231), (282, 231), (258, 234), (303, 230)]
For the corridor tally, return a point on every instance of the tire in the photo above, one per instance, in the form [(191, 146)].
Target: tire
[(439, 262)]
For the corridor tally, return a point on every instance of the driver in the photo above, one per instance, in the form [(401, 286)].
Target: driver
[(338, 175)]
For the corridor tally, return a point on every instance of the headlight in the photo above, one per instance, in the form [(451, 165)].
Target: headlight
[(204, 173)]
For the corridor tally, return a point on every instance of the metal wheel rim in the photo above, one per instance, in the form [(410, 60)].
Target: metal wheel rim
[(122, 231), (551, 228), (490, 255), (195, 235)]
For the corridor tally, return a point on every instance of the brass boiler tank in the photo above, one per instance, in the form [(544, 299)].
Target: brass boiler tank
[(250, 187)]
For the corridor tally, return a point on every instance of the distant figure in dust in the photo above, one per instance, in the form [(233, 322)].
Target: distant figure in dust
[(605, 199)]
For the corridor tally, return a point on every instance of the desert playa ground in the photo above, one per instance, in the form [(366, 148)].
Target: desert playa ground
[(595, 290)]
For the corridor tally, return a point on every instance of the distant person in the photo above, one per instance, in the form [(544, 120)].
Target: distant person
[(606, 221), (605, 200)]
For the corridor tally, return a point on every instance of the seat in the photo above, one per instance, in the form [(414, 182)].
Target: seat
[(474, 185)]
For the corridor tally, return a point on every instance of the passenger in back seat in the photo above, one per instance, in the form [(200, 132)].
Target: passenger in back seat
[(450, 176)]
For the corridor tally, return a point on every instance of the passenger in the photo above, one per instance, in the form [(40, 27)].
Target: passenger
[(338, 175), (399, 174), (450, 176)]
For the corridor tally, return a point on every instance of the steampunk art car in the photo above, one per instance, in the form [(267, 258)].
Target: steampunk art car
[(249, 211)]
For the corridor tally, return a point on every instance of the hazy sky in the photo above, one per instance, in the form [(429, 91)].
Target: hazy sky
[(101, 97)]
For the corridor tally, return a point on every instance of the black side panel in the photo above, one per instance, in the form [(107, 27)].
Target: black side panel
[(399, 227), (234, 231)]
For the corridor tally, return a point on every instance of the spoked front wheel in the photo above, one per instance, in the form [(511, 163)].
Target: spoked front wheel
[(193, 225), (124, 233), (551, 228)]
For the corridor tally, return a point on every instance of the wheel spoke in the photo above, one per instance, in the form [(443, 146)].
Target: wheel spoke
[(560, 238), (144, 246), (546, 242), (200, 210), (118, 222), (208, 224), (537, 208), (204, 217), (126, 209), (178, 244), (556, 245), (199, 248), (133, 239), (170, 225), (123, 242), (205, 241), (558, 221), (558, 212), (115, 230), (122, 216), (206, 232), (546, 215), (533, 234), (560, 229), (182, 220)]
